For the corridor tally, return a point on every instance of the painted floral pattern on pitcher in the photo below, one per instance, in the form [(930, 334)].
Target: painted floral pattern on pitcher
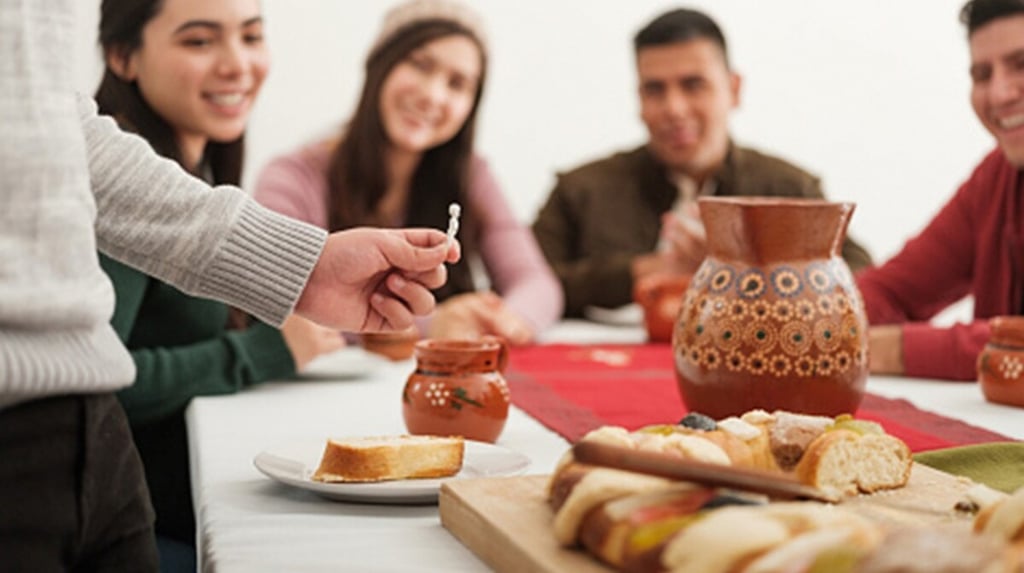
[(801, 321)]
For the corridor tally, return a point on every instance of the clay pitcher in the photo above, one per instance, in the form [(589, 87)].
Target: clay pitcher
[(772, 318), (458, 389)]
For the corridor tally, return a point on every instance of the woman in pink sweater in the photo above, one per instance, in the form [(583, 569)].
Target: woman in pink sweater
[(406, 154)]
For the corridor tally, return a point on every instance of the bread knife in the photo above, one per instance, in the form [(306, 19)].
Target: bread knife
[(714, 475)]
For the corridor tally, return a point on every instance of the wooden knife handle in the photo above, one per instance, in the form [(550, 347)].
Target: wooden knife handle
[(714, 475)]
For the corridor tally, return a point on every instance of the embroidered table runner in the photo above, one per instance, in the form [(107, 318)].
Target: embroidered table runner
[(574, 389)]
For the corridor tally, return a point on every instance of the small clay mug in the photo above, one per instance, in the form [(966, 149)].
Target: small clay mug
[(394, 345), (1001, 362), (660, 295), (458, 389)]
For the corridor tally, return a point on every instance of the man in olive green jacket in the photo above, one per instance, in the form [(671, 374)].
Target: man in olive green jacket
[(633, 214)]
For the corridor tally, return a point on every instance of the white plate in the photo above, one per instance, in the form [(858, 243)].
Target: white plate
[(293, 463), (627, 315), (348, 362)]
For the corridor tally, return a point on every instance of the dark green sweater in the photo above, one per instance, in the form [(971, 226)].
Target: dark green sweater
[(182, 348)]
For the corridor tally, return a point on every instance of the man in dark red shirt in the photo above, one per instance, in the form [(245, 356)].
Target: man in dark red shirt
[(974, 246)]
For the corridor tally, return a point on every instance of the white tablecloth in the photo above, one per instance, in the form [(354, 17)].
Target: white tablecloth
[(958, 400), (249, 523)]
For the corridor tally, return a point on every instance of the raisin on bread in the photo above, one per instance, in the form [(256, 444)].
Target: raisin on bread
[(390, 458)]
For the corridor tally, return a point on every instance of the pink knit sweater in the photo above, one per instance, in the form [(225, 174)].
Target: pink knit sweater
[(295, 184)]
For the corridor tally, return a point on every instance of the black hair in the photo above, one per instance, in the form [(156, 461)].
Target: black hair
[(680, 25), (977, 13), (121, 25), (357, 176)]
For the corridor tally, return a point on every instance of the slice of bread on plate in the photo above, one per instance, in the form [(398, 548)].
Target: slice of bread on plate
[(383, 458)]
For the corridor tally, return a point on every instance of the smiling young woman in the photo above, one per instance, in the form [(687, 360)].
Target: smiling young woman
[(184, 74), (406, 154)]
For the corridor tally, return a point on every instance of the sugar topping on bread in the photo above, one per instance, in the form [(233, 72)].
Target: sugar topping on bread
[(381, 458), (1002, 517)]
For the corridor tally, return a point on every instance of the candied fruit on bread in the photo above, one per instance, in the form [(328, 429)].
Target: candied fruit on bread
[(390, 458)]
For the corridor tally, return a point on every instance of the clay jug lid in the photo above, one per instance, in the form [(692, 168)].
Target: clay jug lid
[(1007, 330), (488, 351), (460, 345)]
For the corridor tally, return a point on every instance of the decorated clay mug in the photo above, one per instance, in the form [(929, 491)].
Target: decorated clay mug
[(1001, 362), (395, 345), (458, 389), (660, 296)]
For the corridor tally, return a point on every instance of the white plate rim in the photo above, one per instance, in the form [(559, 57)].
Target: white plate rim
[(292, 463), (346, 363), (631, 314)]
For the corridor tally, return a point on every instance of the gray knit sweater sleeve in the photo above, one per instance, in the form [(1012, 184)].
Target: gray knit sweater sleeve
[(212, 243), (71, 182)]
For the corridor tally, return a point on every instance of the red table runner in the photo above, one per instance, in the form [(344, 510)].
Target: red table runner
[(574, 389)]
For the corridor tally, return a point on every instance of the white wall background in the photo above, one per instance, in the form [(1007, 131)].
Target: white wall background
[(871, 95)]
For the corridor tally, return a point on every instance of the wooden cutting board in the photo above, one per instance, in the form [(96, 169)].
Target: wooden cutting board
[(507, 522)]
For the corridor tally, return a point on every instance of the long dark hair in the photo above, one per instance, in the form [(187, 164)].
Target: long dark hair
[(121, 25), (357, 173)]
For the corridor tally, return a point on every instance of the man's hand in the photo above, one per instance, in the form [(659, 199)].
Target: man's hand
[(685, 240), (376, 279), (681, 248), (472, 315)]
